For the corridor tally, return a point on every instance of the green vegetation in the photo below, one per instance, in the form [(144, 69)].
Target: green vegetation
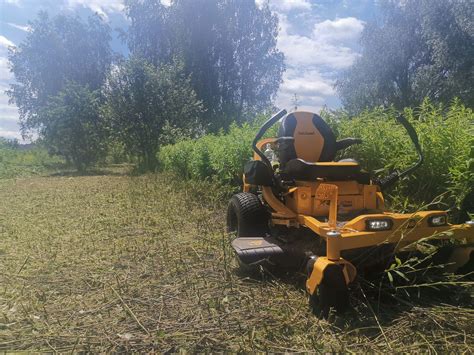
[(415, 49), (105, 261), (59, 69), (227, 47), (446, 136), (17, 162), (146, 105), (218, 157), (120, 263), (72, 126), (194, 67)]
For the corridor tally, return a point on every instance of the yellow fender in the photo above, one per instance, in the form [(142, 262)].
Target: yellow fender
[(317, 274)]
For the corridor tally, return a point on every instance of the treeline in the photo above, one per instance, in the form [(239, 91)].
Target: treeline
[(194, 67), (197, 67)]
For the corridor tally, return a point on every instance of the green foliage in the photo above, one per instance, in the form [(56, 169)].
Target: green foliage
[(144, 102), (218, 157), (72, 126), (446, 136), (416, 49), (447, 140), (56, 51), (17, 161), (228, 47)]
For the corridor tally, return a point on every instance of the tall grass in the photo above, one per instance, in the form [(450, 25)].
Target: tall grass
[(217, 157), (445, 133), (16, 161), (446, 136)]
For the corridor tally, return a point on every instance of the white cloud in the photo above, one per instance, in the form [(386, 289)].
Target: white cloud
[(311, 88), (312, 60), (19, 27), (8, 112), (343, 29), (102, 7), (10, 134), (5, 73), (306, 51), (287, 5), (326, 46), (5, 42), (8, 117), (308, 82)]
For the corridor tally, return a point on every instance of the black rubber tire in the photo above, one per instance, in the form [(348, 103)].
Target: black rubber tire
[(246, 216), (332, 293)]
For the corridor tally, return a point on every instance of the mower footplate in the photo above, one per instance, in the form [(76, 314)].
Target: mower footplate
[(253, 250)]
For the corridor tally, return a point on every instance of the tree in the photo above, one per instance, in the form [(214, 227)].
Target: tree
[(57, 51), (144, 102), (420, 48), (72, 126), (228, 48)]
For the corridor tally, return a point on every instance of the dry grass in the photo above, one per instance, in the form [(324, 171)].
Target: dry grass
[(120, 263)]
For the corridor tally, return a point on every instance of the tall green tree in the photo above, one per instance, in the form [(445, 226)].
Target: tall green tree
[(55, 52), (72, 126), (145, 104), (228, 48), (417, 49)]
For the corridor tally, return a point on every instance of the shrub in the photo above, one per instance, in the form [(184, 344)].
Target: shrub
[(218, 157), (446, 138), (445, 133)]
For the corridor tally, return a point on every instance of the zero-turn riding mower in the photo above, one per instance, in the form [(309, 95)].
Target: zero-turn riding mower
[(299, 207)]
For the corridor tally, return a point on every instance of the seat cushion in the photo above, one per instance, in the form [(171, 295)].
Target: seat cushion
[(300, 169)]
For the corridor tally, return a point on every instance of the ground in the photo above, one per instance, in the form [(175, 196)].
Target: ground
[(113, 262)]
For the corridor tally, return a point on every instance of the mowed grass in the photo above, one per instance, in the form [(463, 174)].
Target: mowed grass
[(124, 263)]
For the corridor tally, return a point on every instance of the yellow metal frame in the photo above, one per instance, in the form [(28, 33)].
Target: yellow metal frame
[(308, 200)]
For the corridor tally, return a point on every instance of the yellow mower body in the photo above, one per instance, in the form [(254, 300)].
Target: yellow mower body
[(336, 201)]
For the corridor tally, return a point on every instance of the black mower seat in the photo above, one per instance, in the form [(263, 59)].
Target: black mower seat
[(300, 169)]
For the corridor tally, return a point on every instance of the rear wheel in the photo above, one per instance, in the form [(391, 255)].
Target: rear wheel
[(246, 216)]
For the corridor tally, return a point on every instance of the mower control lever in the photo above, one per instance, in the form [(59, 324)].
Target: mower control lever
[(347, 142), (396, 175), (262, 131)]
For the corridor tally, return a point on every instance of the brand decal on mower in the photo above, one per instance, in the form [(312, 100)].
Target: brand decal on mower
[(326, 192), (306, 133)]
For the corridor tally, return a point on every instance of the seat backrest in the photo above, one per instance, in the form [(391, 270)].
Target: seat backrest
[(314, 141)]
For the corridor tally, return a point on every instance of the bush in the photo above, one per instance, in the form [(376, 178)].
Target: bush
[(445, 133), (219, 158), (446, 138)]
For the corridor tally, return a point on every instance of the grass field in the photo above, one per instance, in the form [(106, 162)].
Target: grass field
[(115, 262)]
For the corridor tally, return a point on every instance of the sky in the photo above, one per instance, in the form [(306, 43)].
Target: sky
[(319, 39)]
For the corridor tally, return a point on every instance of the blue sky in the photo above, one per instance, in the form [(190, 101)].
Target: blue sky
[(318, 37)]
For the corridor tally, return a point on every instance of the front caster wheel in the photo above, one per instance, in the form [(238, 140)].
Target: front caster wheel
[(332, 293)]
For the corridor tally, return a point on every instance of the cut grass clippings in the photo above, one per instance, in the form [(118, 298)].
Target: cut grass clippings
[(123, 263)]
